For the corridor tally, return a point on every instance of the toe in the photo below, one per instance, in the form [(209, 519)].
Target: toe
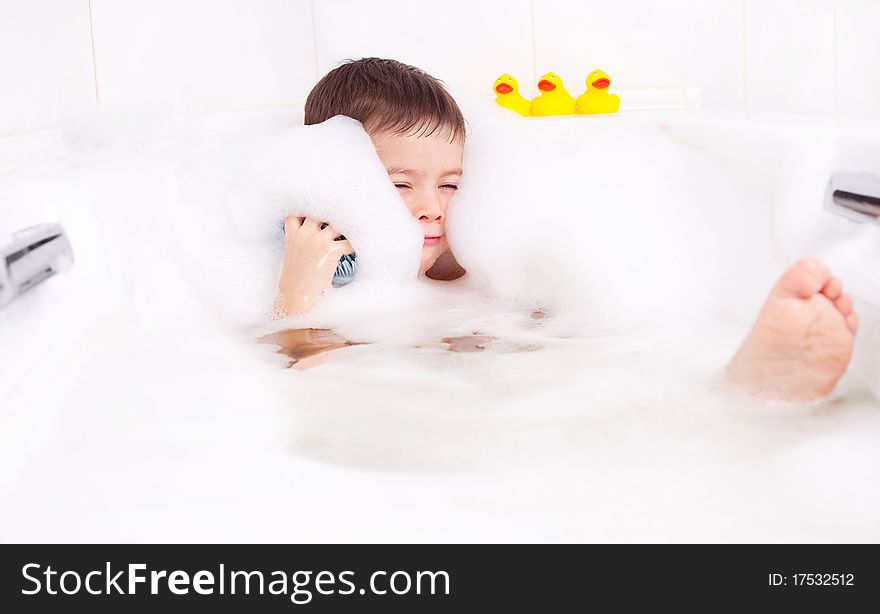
[(833, 289), (805, 278), (844, 304), (852, 322)]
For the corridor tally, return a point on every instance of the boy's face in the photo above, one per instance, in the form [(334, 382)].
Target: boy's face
[(426, 171)]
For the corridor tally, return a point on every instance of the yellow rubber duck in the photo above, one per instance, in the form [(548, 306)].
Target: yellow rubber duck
[(507, 95), (553, 99), (596, 98)]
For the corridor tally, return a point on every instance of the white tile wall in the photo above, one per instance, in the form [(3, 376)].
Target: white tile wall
[(790, 56), (671, 45), (572, 38), (45, 63), (858, 58), (467, 43), (204, 55), (716, 54), (818, 57)]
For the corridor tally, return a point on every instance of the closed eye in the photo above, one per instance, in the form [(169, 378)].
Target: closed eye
[(402, 186), (450, 186)]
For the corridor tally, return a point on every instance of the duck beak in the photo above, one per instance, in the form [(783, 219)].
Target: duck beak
[(601, 84), (503, 88), (546, 86)]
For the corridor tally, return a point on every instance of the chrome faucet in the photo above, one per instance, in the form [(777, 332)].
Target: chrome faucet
[(855, 196), (35, 254)]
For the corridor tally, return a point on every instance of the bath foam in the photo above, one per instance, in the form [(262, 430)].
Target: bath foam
[(232, 200), (612, 226), (329, 171), (607, 226)]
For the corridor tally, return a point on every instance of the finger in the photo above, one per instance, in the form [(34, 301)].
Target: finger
[(332, 232), (311, 224), (291, 224), (344, 246)]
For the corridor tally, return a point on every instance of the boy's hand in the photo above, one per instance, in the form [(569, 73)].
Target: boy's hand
[(310, 259)]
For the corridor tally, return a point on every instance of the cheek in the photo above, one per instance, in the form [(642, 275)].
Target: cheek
[(448, 203), (408, 201)]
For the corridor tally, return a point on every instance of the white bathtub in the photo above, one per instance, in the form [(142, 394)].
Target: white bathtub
[(131, 411)]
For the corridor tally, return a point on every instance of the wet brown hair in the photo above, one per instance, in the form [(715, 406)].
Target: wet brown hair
[(386, 95)]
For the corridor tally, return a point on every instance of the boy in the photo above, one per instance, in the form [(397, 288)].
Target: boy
[(797, 349), (418, 131)]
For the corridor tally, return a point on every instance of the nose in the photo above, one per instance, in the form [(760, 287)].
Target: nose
[(429, 210)]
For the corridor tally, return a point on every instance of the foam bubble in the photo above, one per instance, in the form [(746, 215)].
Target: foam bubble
[(233, 197), (615, 225)]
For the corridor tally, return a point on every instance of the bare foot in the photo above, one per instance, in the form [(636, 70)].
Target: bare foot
[(801, 341)]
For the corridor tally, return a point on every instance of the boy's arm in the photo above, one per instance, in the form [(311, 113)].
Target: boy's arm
[(310, 258)]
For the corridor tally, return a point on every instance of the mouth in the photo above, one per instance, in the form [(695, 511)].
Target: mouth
[(503, 88), (601, 84), (432, 240), (546, 86)]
